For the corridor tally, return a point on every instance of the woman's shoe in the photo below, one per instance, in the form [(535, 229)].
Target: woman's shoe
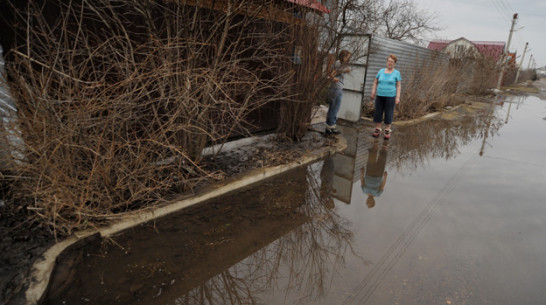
[(387, 134), (376, 132), (331, 131)]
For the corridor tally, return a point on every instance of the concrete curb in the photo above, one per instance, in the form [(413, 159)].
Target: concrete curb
[(43, 268), (409, 122), (425, 117)]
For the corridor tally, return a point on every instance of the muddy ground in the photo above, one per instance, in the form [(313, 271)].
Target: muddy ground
[(21, 243)]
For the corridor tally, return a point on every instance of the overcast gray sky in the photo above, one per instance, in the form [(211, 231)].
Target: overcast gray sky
[(490, 20)]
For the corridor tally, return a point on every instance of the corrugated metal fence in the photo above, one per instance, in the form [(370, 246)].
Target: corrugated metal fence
[(7, 106), (7, 115), (358, 85), (410, 57)]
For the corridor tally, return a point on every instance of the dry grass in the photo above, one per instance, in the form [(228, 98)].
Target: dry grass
[(424, 90), (431, 87), (485, 73)]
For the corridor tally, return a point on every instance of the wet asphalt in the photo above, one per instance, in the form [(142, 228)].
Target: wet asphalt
[(456, 215)]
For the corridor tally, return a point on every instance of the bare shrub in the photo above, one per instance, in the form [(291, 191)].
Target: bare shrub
[(528, 75), (117, 101), (484, 76), (425, 89), (309, 77), (431, 86), (460, 71)]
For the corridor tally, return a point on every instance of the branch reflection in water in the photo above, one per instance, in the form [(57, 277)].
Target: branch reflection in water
[(280, 238), (442, 137), (303, 261)]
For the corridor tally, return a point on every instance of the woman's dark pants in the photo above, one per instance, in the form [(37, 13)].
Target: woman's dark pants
[(384, 104)]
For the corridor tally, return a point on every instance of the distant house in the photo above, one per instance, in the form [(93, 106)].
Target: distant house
[(463, 47), (541, 72)]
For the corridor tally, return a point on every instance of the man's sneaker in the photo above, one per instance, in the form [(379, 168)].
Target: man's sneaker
[(330, 131), (387, 134), (376, 132)]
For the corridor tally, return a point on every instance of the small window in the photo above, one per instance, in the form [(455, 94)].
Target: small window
[(460, 49)]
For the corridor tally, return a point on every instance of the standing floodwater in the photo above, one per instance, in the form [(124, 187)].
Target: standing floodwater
[(459, 218)]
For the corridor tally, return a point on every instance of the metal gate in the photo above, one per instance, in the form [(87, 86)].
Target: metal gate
[(369, 56), (353, 89)]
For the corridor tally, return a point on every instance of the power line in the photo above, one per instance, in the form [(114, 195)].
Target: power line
[(503, 7), (507, 9), (500, 11), (506, 5), (520, 37)]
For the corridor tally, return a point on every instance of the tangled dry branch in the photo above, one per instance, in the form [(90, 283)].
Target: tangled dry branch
[(116, 100)]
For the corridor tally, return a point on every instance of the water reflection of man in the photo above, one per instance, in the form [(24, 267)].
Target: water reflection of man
[(374, 180)]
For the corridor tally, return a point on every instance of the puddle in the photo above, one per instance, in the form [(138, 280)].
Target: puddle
[(458, 218)]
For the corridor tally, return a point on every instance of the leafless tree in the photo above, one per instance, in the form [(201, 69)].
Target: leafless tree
[(403, 20), (395, 19)]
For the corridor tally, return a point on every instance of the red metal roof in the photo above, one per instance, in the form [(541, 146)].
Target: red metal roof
[(438, 45), (491, 49), (314, 4)]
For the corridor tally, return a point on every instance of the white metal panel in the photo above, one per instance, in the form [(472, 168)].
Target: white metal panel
[(351, 104), (355, 80)]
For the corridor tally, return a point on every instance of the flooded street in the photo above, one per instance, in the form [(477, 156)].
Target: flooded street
[(457, 215)]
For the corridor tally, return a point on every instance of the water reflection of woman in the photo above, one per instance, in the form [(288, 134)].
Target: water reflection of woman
[(374, 180)]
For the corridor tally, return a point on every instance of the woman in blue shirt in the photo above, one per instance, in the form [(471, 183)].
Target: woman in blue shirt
[(387, 88)]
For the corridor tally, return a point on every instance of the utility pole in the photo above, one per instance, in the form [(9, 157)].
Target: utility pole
[(521, 62), (529, 64), (506, 50)]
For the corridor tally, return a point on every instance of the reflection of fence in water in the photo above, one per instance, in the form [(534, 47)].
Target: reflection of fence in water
[(305, 258)]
